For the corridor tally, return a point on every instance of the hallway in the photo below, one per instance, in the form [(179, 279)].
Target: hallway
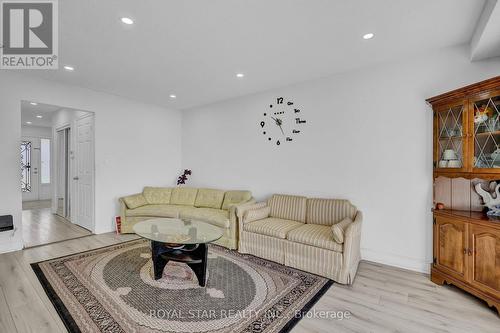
[(40, 226)]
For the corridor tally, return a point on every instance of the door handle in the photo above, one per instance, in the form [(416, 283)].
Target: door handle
[(76, 178)]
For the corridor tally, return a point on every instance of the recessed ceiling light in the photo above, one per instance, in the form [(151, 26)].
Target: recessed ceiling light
[(29, 122), (39, 117), (240, 75), (173, 96), (127, 20), (33, 103), (69, 68), (368, 36)]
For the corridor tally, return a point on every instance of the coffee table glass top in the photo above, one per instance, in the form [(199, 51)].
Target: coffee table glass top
[(177, 231)]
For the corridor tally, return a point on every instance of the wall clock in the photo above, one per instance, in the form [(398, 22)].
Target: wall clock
[(281, 121)]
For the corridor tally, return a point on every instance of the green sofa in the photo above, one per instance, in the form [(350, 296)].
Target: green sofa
[(216, 207)]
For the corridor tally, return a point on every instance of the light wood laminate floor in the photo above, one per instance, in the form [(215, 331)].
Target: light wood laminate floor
[(40, 226), (382, 298)]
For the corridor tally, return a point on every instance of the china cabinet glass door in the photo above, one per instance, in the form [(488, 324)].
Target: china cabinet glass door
[(450, 149), (486, 143)]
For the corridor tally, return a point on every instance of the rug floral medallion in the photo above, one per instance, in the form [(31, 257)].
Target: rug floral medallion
[(112, 289)]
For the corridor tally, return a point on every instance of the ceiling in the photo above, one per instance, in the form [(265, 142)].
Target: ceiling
[(194, 49), (486, 40), (30, 112)]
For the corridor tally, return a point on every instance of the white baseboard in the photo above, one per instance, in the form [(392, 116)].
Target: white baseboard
[(418, 265), (10, 246)]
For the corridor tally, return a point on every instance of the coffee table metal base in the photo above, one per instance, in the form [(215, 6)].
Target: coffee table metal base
[(195, 256)]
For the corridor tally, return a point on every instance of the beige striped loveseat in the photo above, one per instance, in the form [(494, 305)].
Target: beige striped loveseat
[(321, 236)]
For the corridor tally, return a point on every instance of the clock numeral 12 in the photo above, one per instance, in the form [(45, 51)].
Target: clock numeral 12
[(279, 100)]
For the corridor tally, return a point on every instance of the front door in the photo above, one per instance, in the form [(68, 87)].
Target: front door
[(83, 181), (30, 168)]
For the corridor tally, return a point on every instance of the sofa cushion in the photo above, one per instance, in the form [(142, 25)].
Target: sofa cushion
[(217, 217), (271, 226), (209, 198), (134, 201), (338, 229), (329, 211), (157, 195), (235, 197), (288, 207), (315, 235), (183, 196), (157, 210)]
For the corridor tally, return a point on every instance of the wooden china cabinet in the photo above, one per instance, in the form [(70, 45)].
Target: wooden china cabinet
[(466, 241)]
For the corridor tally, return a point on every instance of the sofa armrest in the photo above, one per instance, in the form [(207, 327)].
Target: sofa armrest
[(240, 212), (243, 209), (352, 241), (122, 199), (235, 209), (233, 219), (123, 212), (123, 207), (255, 214)]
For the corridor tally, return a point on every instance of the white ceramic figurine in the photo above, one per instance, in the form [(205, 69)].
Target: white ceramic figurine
[(493, 204)]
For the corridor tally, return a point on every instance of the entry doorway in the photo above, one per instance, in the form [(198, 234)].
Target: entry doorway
[(57, 165)]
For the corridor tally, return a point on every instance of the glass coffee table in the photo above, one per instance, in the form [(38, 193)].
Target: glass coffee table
[(179, 240)]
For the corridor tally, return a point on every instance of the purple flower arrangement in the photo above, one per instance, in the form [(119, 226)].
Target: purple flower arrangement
[(182, 178)]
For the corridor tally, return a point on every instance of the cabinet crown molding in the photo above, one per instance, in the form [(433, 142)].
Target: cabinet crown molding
[(467, 91)]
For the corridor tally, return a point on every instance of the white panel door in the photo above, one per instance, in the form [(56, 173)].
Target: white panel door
[(32, 168), (83, 181)]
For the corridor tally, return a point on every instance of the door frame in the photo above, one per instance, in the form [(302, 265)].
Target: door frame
[(74, 171), (55, 168)]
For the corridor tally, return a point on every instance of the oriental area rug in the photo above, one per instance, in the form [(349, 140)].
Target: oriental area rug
[(112, 289)]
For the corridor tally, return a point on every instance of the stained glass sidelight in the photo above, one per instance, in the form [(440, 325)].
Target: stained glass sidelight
[(26, 166)]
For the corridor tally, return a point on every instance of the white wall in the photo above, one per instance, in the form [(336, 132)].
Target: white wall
[(65, 117), (36, 132), (368, 139), (136, 145)]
